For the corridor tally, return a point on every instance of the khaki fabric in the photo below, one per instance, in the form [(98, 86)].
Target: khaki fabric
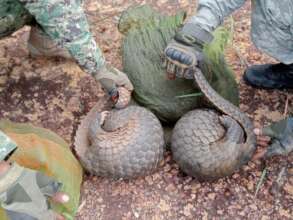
[(25, 191), (42, 150)]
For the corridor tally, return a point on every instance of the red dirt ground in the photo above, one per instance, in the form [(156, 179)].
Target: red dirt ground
[(55, 94)]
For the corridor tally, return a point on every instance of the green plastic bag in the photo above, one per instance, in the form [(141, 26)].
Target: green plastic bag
[(146, 35), (43, 150)]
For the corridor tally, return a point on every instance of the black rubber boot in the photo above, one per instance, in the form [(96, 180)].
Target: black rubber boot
[(270, 76)]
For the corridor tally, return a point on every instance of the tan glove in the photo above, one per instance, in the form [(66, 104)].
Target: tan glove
[(116, 84)]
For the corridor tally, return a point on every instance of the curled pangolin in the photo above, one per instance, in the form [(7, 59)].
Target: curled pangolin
[(208, 145), (123, 143)]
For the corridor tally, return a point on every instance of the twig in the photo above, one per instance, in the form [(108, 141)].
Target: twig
[(242, 59), (279, 182), (81, 206), (286, 106), (260, 182), (67, 216), (189, 95), (280, 176)]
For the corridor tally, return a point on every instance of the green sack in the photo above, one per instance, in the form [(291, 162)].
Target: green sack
[(146, 35), (42, 150), (13, 16)]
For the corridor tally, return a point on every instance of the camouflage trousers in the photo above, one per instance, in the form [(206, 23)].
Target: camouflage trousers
[(64, 21)]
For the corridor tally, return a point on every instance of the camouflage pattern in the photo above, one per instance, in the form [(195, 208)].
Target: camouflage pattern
[(272, 23), (66, 24), (24, 192), (63, 22), (6, 145), (12, 17), (40, 44)]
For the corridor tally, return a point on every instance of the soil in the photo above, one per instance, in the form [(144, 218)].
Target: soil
[(55, 94)]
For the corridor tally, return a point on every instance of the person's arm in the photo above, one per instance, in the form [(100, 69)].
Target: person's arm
[(66, 24), (184, 51), (211, 13)]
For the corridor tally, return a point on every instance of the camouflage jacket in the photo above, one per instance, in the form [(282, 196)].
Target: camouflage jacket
[(272, 23), (63, 20)]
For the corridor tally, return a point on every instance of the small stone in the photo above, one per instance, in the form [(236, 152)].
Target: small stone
[(187, 210), (164, 206), (288, 188), (136, 214), (212, 196), (170, 188), (250, 186), (149, 180), (242, 213), (254, 207), (195, 187), (186, 187), (220, 212), (285, 213)]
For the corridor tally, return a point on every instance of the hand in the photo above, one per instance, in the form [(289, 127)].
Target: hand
[(278, 137), (180, 60), (116, 84), (61, 198), (184, 53)]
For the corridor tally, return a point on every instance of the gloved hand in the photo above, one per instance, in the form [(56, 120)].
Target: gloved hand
[(24, 193), (281, 134), (184, 53), (116, 84)]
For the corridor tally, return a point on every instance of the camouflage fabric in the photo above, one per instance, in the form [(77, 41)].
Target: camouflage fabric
[(66, 24), (272, 23), (12, 17), (6, 145), (40, 44), (63, 21), (23, 192)]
